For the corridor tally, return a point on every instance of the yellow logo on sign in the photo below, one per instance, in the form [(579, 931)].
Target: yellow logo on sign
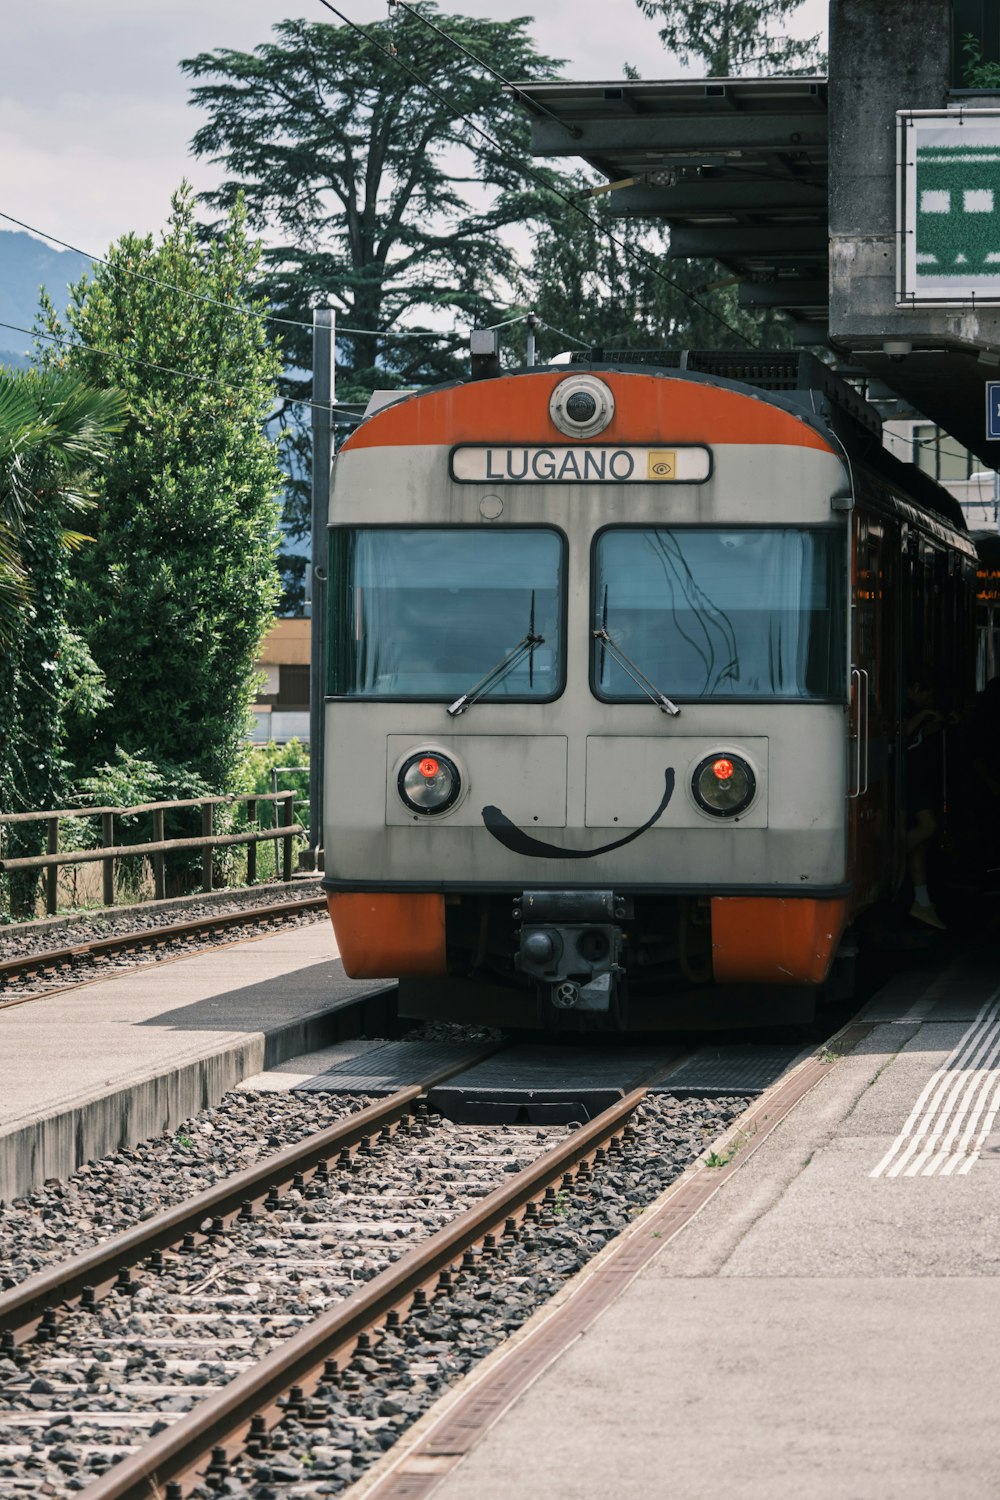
[(661, 464)]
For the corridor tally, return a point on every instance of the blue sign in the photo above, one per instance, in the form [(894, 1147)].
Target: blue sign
[(993, 410)]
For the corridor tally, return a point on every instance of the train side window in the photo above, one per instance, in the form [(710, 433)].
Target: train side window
[(426, 612)]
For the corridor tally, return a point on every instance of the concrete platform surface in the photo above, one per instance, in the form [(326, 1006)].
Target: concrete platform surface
[(823, 1328), (124, 1057)]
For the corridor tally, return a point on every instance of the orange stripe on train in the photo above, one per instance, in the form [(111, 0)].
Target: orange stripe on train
[(775, 939), (385, 935), (647, 409)]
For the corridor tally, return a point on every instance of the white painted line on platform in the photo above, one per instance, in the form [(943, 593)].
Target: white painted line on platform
[(917, 1012), (943, 1132)]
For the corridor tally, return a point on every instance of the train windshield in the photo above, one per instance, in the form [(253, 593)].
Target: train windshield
[(426, 613), (719, 612)]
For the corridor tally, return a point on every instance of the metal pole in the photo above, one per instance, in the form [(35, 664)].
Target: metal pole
[(108, 865), (324, 346), (529, 360)]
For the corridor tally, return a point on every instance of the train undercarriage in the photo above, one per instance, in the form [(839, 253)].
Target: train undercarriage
[(599, 961)]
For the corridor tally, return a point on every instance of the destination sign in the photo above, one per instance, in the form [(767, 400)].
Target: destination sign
[(514, 464)]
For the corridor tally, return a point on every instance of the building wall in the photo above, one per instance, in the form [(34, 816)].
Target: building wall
[(940, 455), (886, 55), (281, 710)]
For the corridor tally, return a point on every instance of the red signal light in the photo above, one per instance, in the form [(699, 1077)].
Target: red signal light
[(429, 767), (722, 770)]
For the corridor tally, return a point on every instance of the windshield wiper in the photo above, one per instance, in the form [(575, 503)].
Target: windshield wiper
[(496, 675), (628, 665)]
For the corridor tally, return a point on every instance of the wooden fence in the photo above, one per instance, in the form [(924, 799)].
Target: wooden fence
[(50, 862)]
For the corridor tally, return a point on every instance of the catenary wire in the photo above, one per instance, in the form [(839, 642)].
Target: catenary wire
[(214, 301), (147, 364), (571, 130), (387, 334), (549, 327), (537, 178), (929, 443), (272, 318)]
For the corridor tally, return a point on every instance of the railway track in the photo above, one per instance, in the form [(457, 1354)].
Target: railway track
[(198, 1330), (53, 970)]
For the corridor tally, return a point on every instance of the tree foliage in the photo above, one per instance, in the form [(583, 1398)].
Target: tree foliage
[(378, 196), (735, 36), (53, 431), (623, 293), (175, 594)]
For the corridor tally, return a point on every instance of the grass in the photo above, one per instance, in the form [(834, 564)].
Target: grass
[(717, 1159)]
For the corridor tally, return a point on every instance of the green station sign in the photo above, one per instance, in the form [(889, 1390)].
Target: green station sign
[(950, 207)]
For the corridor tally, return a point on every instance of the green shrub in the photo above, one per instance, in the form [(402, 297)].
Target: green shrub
[(131, 780), (255, 775)]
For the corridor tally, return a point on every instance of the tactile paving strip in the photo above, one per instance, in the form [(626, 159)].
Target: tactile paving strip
[(384, 1070), (715, 1071)]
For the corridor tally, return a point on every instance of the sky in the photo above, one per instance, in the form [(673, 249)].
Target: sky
[(94, 120)]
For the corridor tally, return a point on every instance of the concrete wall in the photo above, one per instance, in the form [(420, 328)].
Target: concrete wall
[(286, 644), (885, 55)]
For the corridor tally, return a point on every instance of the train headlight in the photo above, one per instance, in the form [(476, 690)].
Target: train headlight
[(723, 785), (429, 782)]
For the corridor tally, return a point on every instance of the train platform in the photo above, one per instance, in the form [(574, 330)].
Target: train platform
[(827, 1325), (122, 1058)]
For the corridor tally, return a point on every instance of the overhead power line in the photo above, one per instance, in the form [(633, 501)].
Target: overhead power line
[(147, 364), (571, 130), (535, 177), (244, 312), (386, 334), (225, 385)]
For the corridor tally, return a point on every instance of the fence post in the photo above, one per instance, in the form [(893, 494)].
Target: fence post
[(206, 853), (251, 848), (159, 862), (52, 874), (108, 865), (287, 818)]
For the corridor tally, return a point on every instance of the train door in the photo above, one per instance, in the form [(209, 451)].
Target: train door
[(875, 691)]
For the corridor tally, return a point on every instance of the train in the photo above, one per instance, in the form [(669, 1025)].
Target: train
[(619, 652)]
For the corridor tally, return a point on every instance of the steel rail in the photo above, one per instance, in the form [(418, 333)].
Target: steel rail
[(150, 936), (22, 1307), (473, 1407), (222, 1420)]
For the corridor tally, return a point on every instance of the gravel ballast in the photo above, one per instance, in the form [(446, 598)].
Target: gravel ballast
[(38, 939), (245, 1291)]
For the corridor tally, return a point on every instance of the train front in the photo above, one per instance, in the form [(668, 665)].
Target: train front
[(586, 715)]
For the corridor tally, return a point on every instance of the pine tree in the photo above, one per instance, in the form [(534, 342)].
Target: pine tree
[(376, 192), (735, 36), (623, 292), (377, 196)]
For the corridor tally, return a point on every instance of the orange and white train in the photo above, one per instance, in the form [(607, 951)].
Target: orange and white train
[(618, 657)]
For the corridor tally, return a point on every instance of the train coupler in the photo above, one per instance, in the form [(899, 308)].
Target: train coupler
[(571, 943)]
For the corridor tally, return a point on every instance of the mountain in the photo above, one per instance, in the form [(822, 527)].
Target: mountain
[(26, 264)]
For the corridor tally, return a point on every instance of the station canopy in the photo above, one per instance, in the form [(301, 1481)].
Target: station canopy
[(738, 169)]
